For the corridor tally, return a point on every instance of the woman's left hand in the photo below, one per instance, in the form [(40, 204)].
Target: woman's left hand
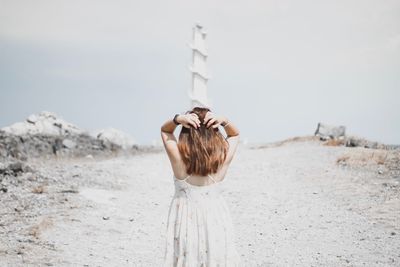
[(212, 119)]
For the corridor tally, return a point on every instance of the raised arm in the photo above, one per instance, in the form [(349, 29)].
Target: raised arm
[(230, 129), (232, 137), (168, 137)]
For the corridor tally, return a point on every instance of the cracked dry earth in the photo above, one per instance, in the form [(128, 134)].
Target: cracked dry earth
[(292, 205)]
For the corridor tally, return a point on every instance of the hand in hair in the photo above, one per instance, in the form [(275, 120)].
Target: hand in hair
[(212, 120), (190, 119)]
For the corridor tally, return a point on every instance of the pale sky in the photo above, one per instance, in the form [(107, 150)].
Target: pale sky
[(278, 67)]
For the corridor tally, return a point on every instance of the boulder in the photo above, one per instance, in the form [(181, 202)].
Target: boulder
[(326, 132), (117, 137), (354, 141), (43, 123), (45, 134), (68, 143), (14, 168)]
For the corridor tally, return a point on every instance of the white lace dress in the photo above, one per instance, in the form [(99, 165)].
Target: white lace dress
[(199, 231)]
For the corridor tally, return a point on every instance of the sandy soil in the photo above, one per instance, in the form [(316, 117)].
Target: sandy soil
[(292, 205)]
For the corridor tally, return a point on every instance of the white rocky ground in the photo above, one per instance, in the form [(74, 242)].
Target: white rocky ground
[(292, 205)]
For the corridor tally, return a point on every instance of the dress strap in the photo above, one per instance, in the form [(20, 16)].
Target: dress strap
[(212, 178), (186, 177)]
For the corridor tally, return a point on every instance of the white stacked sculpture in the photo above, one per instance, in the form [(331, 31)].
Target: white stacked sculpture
[(198, 92)]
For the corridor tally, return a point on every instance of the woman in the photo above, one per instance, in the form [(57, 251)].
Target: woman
[(199, 230)]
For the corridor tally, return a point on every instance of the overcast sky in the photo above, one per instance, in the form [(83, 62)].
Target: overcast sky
[(278, 67)]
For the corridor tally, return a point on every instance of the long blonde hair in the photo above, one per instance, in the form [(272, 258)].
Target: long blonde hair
[(203, 150)]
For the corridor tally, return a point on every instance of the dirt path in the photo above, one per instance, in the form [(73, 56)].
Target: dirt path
[(291, 205)]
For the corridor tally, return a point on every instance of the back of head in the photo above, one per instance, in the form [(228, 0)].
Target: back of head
[(203, 150)]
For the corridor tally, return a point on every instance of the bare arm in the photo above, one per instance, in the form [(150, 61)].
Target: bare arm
[(170, 143), (167, 131), (232, 138), (169, 139), (231, 131)]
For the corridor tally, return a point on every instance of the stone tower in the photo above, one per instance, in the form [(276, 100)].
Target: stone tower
[(198, 92)]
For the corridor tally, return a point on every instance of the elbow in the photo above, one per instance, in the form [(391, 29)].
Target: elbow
[(163, 135), (237, 133), (164, 131)]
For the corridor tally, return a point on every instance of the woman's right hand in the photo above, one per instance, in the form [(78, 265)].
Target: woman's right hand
[(188, 120)]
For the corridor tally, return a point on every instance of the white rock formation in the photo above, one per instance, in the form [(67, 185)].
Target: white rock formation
[(68, 143), (325, 131), (115, 136), (43, 123)]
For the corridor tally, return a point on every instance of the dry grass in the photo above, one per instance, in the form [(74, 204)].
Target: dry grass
[(298, 139), (335, 142), (307, 138), (342, 159), (44, 224), (39, 189), (362, 157)]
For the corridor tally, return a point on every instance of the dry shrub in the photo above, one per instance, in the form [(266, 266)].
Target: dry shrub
[(362, 157), (306, 138), (342, 159), (335, 142), (381, 158), (39, 189), (40, 227), (300, 139)]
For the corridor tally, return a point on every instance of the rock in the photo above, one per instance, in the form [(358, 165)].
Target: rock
[(45, 135), (27, 169), (326, 132), (353, 141), (32, 118), (39, 189), (73, 191), (114, 136), (68, 143), (44, 123), (32, 178), (15, 168), (57, 145), (38, 145)]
